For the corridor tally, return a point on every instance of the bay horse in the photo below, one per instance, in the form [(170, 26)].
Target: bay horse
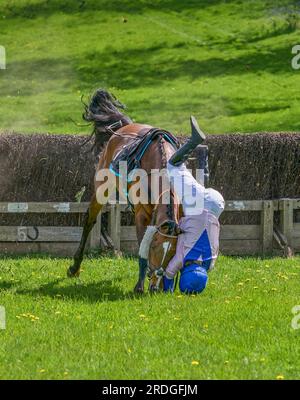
[(113, 130)]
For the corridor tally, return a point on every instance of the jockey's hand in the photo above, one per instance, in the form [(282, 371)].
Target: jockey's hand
[(168, 284)]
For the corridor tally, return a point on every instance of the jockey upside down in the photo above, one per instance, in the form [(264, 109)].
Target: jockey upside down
[(198, 242)]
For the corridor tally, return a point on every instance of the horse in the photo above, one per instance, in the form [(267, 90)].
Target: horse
[(113, 130)]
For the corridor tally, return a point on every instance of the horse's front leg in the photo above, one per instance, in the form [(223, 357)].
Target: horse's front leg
[(139, 287), (142, 219), (89, 221)]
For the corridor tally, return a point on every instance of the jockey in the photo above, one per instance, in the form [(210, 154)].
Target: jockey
[(198, 245)]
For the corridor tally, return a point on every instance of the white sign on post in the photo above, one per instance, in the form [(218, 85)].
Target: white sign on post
[(2, 57)]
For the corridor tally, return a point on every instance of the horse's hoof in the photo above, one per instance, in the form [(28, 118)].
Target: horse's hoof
[(153, 289), (138, 289), (73, 274)]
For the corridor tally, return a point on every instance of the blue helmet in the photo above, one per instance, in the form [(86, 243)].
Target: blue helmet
[(193, 279)]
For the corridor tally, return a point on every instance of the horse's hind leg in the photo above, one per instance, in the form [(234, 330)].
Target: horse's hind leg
[(89, 221)]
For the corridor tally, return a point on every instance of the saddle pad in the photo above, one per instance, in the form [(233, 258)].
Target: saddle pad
[(135, 149)]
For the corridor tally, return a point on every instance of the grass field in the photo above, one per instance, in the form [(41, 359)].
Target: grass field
[(240, 327), (228, 62)]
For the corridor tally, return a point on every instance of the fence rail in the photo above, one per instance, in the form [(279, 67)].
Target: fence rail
[(63, 240)]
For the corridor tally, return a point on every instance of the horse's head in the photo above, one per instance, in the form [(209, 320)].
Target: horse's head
[(160, 240), (163, 245)]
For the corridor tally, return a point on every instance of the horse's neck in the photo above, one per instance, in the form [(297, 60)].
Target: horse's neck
[(170, 211)]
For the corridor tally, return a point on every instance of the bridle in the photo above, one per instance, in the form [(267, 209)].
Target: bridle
[(155, 275), (165, 234)]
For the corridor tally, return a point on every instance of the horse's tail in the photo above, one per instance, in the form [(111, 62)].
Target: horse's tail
[(103, 110)]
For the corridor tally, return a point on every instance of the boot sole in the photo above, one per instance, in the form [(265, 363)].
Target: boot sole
[(194, 124)]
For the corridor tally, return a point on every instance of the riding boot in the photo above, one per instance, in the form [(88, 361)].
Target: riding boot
[(184, 151)]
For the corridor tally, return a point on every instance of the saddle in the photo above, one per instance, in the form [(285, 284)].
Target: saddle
[(133, 152)]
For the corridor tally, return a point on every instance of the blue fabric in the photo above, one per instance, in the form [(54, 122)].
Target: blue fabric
[(193, 279), (168, 284), (201, 249)]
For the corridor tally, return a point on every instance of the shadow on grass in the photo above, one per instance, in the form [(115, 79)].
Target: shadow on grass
[(6, 285), (46, 8), (93, 292), (71, 288), (132, 68), (140, 67)]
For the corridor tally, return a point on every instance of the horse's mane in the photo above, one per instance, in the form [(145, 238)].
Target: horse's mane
[(103, 110)]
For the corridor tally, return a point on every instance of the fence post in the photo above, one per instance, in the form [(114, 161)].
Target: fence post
[(95, 234), (114, 225), (193, 165), (267, 222), (286, 218)]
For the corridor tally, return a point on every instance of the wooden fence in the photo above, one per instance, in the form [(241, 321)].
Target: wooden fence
[(63, 240)]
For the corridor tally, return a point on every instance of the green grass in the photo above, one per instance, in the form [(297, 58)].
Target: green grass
[(229, 62), (240, 327)]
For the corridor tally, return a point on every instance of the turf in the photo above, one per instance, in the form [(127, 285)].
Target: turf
[(239, 327), (228, 62)]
